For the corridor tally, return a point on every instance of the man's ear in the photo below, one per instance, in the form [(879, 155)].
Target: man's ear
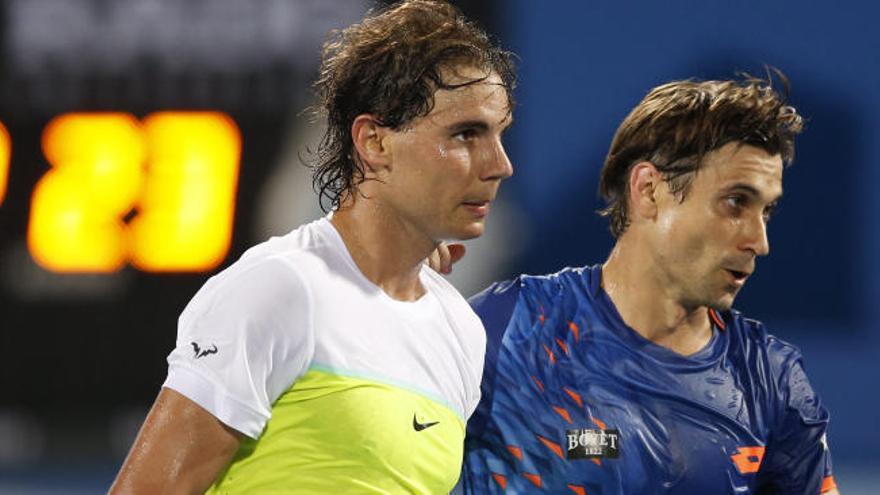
[(368, 136), (644, 186)]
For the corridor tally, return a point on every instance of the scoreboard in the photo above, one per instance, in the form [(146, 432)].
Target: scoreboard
[(173, 176), (110, 220), (136, 139)]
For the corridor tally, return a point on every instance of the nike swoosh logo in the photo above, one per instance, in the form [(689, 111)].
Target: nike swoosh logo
[(421, 426)]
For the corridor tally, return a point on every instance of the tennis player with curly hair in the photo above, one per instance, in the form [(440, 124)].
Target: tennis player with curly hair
[(331, 359)]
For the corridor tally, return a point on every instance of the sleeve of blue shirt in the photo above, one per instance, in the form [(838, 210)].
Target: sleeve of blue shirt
[(797, 460)]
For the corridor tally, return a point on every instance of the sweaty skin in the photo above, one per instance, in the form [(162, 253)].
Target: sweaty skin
[(679, 257), (179, 450), (435, 179)]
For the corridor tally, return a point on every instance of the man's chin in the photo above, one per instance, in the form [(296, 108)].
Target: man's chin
[(468, 231), (724, 303)]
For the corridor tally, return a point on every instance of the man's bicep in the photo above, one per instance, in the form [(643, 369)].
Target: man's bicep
[(181, 448)]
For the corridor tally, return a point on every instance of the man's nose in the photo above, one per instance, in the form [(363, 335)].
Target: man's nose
[(498, 164), (756, 237)]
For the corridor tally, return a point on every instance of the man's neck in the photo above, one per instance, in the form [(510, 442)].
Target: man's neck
[(387, 250), (648, 306)]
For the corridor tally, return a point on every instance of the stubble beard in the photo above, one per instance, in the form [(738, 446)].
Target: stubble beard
[(708, 296)]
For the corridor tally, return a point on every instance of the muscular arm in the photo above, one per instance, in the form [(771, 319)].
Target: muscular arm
[(181, 448)]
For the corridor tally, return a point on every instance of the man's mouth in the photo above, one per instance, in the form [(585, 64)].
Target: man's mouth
[(479, 208), (739, 277)]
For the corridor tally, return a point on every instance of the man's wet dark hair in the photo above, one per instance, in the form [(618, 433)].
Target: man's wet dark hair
[(678, 123), (390, 65)]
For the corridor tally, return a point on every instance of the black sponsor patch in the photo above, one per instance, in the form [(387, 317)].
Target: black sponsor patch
[(592, 443)]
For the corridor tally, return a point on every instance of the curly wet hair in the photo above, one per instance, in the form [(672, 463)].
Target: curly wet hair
[(390, 65)]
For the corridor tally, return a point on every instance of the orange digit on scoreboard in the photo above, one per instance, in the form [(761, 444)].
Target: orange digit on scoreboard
[(5, 154), (188, 204), (177, 172), (77, 208)]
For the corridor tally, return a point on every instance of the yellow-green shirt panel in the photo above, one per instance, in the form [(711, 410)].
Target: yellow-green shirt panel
[(336, 433)]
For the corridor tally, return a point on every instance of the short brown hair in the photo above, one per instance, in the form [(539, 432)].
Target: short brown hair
[(678, 123), (389, 65)]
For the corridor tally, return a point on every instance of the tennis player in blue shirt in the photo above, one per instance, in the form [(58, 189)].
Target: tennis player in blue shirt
[(636, 376)]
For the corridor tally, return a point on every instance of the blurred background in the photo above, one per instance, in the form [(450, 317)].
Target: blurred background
[(181, 125)]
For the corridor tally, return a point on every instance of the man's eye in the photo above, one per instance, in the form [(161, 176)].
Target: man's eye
[(465, 135), (768, 213), (735, 202)]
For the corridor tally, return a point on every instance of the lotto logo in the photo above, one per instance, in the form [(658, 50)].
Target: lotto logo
[(748, 459)]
